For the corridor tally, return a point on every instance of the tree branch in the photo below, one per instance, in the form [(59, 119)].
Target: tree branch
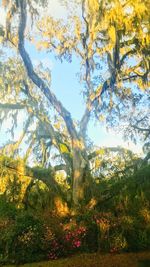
[(29, 174), (36, 79), (107, 149), (61, 167), (49, 131), (84, 122), (140, 128), (12, 106), (130, 52), (129, 78), (12, 148), (86, 116)]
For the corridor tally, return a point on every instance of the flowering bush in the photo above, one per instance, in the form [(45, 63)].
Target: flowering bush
[(75, 237), (69, 241)]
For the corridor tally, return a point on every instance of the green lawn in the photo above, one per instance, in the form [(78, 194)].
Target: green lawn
[(98, 260)]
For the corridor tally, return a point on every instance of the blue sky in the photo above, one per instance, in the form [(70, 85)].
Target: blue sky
[(67, 88)]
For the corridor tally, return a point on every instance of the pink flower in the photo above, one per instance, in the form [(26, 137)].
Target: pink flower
[(77, 243)]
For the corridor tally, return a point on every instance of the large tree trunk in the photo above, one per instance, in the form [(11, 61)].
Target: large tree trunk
[(78, 188), (80, 163)]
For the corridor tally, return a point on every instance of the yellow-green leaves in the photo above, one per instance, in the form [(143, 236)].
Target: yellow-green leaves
[(64, 148), (112, 34), (93, 6)]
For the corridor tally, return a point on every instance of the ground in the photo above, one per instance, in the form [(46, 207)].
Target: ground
[(141, 259)]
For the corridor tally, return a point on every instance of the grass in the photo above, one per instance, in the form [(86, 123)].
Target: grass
[(144, 263), (141, 259)]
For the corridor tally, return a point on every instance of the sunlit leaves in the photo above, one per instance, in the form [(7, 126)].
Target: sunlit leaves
[(64, 148), (104, 27), (114, 34), (55, 36), (112, 162)]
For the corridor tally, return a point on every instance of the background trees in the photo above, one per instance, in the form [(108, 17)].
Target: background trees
[(101, 37)]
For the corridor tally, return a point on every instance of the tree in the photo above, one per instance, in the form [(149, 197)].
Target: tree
[(138, 127), (100, 35)]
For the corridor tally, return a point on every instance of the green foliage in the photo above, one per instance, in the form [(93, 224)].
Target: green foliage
[(26, 239), (8, 213), (41, 172), (120, 222), (128, 203), (7, 209), (92, 233), (20, 234), (29, 187)]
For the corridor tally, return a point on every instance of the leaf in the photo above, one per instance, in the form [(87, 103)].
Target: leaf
[(64, 148), (112, 33)]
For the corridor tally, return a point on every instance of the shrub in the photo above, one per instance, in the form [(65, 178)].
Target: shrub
[(20, 238), (7, 209), (68, 242), (26, 244), (117, 242), (88, 219)]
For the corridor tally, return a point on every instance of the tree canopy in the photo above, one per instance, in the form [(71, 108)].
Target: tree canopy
[(112, 42)]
